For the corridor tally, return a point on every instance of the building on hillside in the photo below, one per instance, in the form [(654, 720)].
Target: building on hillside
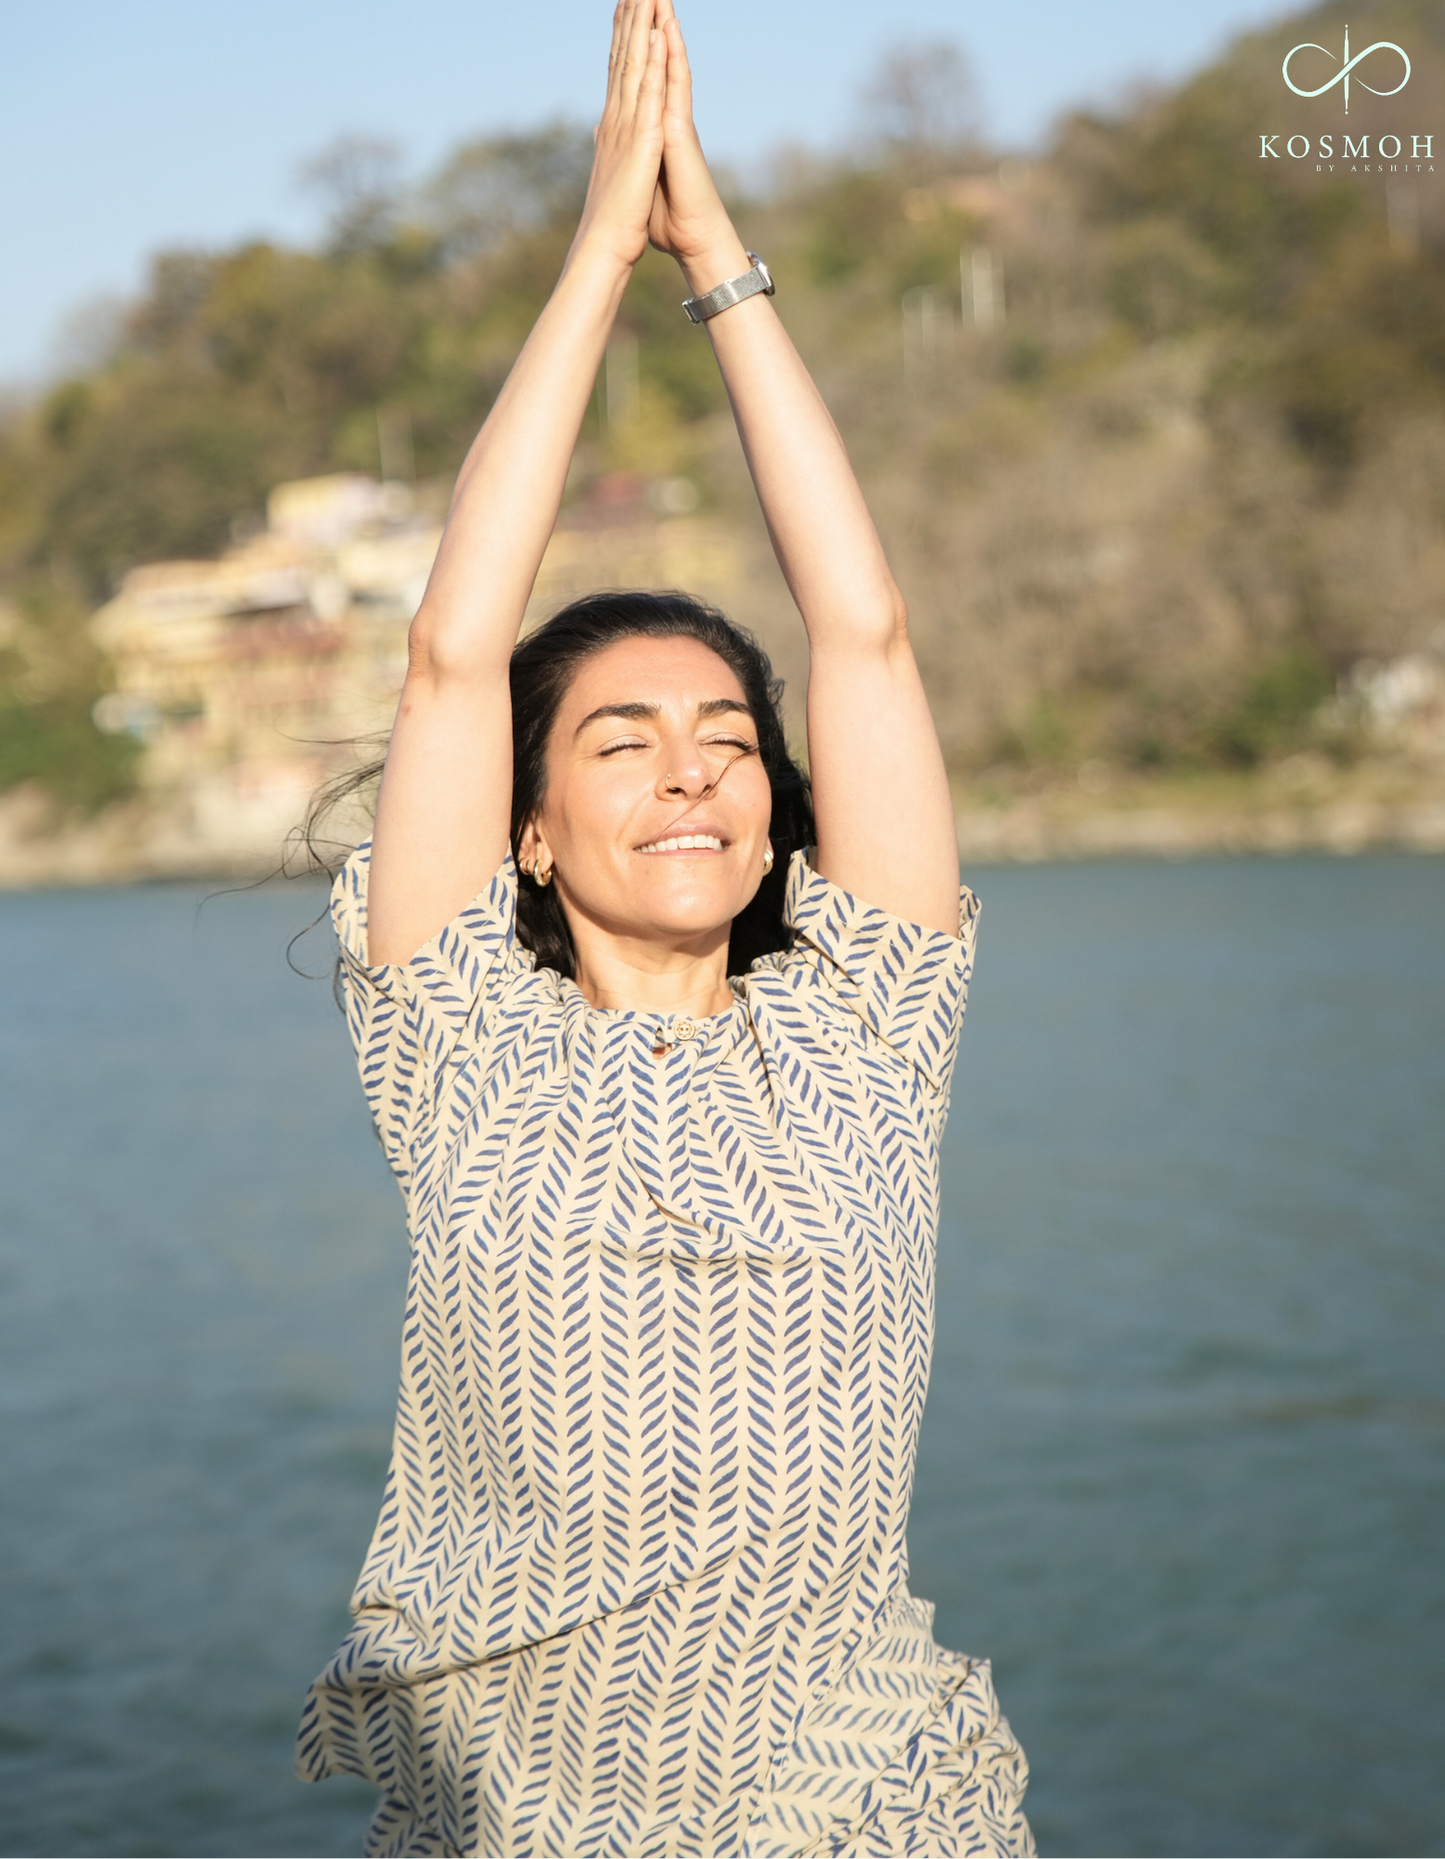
[(248, 678), (252, 678)]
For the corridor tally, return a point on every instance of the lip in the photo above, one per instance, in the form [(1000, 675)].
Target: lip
[(683, 851), (681, 829)]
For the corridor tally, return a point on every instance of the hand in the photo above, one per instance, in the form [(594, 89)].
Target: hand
[(629, 137), (688, 217)]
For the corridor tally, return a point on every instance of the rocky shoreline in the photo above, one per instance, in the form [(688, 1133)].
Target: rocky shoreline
[(1166, 825), (147, 839)]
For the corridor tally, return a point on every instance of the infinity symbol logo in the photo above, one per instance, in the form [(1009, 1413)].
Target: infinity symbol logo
[(1342, 76)]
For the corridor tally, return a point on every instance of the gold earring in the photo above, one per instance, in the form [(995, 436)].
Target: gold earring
[(541, 878), (768, 860)]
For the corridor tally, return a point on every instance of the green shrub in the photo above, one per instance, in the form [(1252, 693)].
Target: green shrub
[(1274, 712), (57, 745)]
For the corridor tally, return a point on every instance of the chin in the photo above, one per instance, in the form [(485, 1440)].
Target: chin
[(692, 907)]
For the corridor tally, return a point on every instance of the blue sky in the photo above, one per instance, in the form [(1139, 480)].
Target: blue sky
[(127, 128)]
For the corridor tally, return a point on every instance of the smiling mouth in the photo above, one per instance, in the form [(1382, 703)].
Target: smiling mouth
[(685, 842)]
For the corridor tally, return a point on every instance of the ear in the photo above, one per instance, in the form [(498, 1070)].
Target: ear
[(531, 847)]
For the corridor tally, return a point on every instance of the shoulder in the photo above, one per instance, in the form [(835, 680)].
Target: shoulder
[(902, 985), (452, 981)]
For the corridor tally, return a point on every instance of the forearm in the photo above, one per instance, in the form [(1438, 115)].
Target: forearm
[(444, 812), (884, 813), (824, 537), (510, 486)]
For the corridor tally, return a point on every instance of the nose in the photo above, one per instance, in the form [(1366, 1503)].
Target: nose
[(684, 770)]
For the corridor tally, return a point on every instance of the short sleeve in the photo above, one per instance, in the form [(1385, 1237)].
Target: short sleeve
[(409, 1020), (906, 984)]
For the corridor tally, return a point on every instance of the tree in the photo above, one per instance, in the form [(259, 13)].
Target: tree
[(360, 178), (505, 184), (923, 101)]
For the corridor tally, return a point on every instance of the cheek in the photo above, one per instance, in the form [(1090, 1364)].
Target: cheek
[(759, 796), (591, 808)]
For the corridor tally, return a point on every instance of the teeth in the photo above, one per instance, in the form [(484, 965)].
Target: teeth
[(686, 842)]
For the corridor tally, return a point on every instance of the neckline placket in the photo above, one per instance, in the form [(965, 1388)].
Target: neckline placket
[(653, 1097)]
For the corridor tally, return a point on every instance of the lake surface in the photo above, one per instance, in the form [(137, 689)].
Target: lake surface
[(1183, 1466)]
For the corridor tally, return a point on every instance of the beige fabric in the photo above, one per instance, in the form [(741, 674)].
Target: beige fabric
[(639, 1580)]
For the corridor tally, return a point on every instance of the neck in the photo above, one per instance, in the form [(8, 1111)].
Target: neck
[(618, 974)]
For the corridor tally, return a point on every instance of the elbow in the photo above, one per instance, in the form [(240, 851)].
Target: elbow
[(439, 652), (878, 630), (887, 619), (459, 635), (421, 645), (889, 626)]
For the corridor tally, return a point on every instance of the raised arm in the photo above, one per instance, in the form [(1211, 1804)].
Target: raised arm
[(886, 829), (444, 810)]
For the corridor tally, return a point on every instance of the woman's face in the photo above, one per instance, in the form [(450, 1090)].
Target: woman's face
[(656, 813)]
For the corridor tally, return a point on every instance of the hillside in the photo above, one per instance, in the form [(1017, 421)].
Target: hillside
[(1151, 421)]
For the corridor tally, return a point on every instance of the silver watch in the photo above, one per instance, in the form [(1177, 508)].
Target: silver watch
[(758, 281)]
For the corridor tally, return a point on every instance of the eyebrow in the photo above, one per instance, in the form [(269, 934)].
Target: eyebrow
[(636, 713)]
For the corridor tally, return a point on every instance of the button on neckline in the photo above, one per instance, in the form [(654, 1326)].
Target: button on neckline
[(673, 1033)]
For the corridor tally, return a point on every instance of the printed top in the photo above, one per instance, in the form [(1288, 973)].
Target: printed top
[(666, 1343)]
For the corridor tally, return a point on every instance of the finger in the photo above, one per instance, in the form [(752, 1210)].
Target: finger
[(666, 23), (638, 47), (617, 63), (652, 91), (679, 72), (614, 52), (638, 33)]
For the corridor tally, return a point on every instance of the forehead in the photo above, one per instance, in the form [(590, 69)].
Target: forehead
[(670, 672)]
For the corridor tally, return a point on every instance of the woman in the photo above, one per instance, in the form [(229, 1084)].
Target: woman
[(639, 1581)]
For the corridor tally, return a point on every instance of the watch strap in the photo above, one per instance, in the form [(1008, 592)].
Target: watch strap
[(754, 283)]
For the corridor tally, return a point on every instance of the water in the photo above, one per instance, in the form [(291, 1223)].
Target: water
[(1183, 1468)]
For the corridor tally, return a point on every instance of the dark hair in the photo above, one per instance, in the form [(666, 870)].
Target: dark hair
[(543, 666), (542, 669)]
